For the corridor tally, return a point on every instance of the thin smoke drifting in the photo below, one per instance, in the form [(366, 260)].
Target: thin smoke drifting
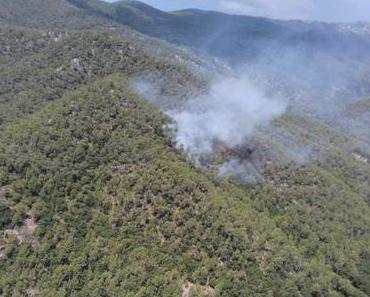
[(228, 114), (319, 10)]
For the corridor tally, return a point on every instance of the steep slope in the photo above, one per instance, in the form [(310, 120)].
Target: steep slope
[(235, 39), (39, 66), (230, 37), (46, 13), (95, 200), (63, 15), (316, 61), (196, 29), (119, 212)]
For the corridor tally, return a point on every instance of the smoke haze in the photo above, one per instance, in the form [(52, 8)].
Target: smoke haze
[(320, 10), (228, 114), (317, 10)]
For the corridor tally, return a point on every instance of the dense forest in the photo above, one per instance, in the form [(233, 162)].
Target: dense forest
[(97, 200)]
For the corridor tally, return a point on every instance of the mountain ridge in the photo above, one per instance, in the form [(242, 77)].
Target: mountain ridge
[(199, 30)]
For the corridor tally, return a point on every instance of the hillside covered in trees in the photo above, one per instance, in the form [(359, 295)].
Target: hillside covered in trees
[(96, 199)]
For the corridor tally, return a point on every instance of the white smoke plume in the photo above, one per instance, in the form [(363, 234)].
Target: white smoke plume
[(228, 114)]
